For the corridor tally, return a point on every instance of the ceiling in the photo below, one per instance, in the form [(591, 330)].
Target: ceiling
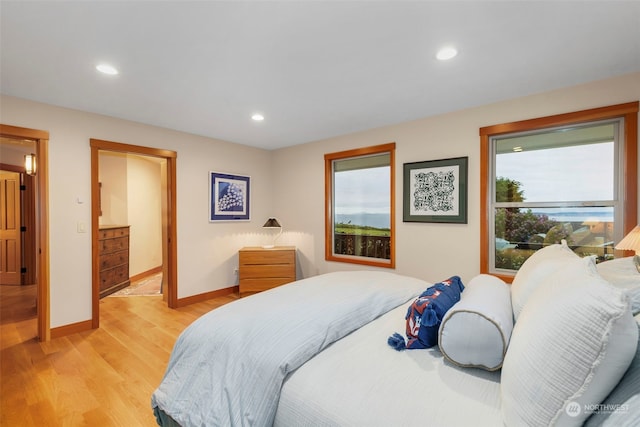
[(313, 69)]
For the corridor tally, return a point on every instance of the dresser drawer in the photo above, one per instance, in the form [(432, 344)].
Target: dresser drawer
[(109, 233), (267, 271), (113, 245), (259, 285), (114, 259), (113, 276), (249, 257)]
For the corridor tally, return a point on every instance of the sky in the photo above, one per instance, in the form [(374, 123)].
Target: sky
[(583, 172), (362, 190)]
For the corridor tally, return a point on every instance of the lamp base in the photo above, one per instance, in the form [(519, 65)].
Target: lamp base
[(636, 262), (268, 246)]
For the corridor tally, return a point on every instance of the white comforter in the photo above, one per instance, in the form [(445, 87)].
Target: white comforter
[(227, 368)]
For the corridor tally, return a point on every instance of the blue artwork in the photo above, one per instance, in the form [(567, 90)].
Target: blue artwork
[(229, 197)]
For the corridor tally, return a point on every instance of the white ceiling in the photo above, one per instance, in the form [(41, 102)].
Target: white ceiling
[(314, 69)]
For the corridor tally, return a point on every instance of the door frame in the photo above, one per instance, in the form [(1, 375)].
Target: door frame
[(41, 140), (169, 222)]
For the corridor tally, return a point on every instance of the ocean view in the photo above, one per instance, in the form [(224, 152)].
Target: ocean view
[(565, 215), (366, 219), (578, 214)]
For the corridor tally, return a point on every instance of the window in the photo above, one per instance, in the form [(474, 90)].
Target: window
[(360, 206), (571, 177)]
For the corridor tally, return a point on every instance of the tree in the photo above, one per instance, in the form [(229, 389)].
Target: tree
[(508, 190)]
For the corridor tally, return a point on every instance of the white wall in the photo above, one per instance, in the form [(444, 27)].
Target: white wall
[(287, 183), (430, 251), (114, 197), (131, 188), (145, 213), (207, 252)]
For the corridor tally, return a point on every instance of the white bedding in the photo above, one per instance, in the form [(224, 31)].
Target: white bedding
[(227, 368), (358, 380)]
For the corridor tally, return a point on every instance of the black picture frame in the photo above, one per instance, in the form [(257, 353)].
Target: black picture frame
[(229, 197), (435, 191)]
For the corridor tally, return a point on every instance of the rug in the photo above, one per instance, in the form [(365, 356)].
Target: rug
[(144, 287)]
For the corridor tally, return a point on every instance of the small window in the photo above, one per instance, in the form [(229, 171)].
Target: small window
[(574, 181), (359, 203)]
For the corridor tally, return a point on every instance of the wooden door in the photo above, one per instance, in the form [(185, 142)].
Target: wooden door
[(10, 262)]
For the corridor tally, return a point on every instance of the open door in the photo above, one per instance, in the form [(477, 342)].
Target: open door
[(10, 239), (39, 244)]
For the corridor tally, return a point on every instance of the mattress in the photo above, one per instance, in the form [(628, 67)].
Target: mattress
[(361, 381)]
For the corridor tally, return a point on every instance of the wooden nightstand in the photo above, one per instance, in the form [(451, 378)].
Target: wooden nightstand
[(262, 269)]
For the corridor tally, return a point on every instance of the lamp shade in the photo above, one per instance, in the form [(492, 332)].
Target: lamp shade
[(631, 241), (272, 223)]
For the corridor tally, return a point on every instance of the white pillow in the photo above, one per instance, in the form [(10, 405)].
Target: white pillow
[(622, 273), (535, 269), (475, 332), (572, 343)]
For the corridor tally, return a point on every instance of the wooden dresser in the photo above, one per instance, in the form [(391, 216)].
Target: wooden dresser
[(261, 269), (113, 249)]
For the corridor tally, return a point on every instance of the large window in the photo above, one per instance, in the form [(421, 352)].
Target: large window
[(360, 206), (571, 177)]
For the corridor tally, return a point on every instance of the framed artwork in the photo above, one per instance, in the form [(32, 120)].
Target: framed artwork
[(435, 191), (228, 197)]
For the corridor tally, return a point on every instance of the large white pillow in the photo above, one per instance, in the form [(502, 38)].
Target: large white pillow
[(572, 343), (475, 332), (535, 269), (622, 273)]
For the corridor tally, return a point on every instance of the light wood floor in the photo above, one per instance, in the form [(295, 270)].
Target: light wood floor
[(104, 377)]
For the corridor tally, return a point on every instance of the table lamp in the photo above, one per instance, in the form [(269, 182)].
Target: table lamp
[(631, 242), (272, 223)]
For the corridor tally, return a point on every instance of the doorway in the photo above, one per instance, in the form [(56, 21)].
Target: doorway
[(34, 195), (169, 241)]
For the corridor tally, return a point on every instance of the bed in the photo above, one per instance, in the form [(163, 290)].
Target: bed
[(315, 353)]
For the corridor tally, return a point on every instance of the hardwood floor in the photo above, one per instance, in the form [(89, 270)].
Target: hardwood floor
[(104, 377)]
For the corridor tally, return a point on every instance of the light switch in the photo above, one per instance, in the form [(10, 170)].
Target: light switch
[(82, 228)]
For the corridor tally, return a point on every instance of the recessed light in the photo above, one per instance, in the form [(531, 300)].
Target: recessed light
[(446, 53), (258, 117), (107, 69), (517, 149)]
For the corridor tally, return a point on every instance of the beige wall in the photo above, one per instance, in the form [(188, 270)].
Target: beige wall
[(207, 252), (112, 175), (145, 213), (131, 195), (430, 251), (287, 183)]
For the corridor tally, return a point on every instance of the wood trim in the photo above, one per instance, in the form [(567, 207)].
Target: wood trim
[(41, 139), (172, 234), (183, 302), (629, 111), (147, 273), (129, 148), (169, 226), (15, 131), (619, 110), (12, 168), (328, 196), (72, 328), (485, 156), (631, 169)]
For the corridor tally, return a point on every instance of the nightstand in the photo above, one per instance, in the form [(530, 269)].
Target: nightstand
[(261, 269)]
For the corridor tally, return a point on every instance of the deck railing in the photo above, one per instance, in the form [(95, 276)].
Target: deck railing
[(362, 245)]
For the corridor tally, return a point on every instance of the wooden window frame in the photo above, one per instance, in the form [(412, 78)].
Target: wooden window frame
[(328, 179), (627, 111)]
